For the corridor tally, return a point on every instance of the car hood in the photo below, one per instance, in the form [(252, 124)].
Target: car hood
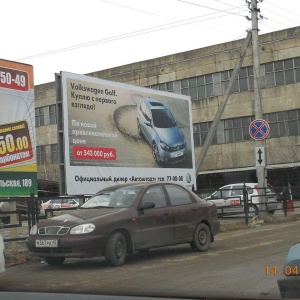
[(171, 136), (80, 216)]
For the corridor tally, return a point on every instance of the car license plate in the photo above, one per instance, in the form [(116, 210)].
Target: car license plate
[(177, 154), (46, 243)]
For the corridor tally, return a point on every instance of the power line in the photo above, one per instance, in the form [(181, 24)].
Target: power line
[(128, 35), (284, 9), (297, 22), (219, 10)]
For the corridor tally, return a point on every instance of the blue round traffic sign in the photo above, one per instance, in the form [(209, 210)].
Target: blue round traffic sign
[(259, 129)]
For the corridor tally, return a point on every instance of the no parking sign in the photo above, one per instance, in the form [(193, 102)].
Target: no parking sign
[(259, 129)]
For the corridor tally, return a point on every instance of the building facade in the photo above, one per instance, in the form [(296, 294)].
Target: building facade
[(204, 75)]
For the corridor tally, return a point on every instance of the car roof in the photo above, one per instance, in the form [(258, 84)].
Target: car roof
[(251, 184), (154, 104), (143, 184)]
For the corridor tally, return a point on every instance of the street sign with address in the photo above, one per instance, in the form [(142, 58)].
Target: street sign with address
[(259, 129)]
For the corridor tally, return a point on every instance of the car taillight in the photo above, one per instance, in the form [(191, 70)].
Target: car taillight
[(235, 202), (256, 187)]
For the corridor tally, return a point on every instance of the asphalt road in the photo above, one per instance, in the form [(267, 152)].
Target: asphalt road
[(234, 266)]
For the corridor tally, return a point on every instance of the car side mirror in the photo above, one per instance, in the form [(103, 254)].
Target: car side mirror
[(148, 123), (147, 205)]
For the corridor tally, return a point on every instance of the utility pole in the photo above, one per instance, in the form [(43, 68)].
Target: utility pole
[(223, 103), (261, 172)]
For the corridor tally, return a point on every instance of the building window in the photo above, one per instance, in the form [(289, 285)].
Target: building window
[(200, 134), (243, 81), (237, 129), (41, 155), (297, 69), (54, 153), (52, 113), (282, 72), (39, 117), (284, 123), (199, 87), (167, 86)]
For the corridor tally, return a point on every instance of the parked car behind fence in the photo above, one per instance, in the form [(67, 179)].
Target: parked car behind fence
[(230, 198)]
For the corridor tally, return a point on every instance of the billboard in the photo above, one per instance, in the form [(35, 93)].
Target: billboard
[(18, 168), (118, 133)]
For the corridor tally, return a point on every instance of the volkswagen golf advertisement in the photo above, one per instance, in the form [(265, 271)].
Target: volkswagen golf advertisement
[(118, 133)]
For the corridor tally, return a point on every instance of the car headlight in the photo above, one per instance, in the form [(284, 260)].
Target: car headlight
[(164, 146), (33, 230), (81, 229)]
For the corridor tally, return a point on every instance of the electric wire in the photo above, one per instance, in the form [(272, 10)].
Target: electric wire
[(127, 35)]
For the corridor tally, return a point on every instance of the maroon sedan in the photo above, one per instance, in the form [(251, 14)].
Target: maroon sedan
[(124, 219)]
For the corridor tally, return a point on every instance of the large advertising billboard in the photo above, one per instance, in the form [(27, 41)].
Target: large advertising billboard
[(118, 133), (18, 168)]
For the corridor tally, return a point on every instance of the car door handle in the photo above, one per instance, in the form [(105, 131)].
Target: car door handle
[(194, 209), (166, 213)]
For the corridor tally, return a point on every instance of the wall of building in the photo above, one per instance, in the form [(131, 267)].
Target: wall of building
[(173, 68)]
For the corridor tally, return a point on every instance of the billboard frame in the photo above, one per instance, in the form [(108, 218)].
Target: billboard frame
[(63, 96)]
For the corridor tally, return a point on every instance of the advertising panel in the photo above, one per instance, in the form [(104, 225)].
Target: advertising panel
[(18, 168), (117, 133)]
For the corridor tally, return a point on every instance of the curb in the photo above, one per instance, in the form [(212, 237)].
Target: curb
[(20, 262)]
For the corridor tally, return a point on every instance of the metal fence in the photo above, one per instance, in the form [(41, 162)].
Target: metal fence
[(238, 201), (18, 210)]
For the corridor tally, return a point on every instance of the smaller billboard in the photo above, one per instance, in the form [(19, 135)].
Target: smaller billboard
[(18, 168), (117, 133)]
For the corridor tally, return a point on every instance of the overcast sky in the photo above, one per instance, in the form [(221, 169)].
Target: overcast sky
[(86, 36)]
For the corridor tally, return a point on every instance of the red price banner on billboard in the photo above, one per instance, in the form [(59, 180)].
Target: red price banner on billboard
[(13, 79), (15, 143), (94, 153)]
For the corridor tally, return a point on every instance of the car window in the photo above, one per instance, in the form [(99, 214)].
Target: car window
[(178, 195), (147, 114), (155, 195), (162, 118), (237, 190), (249, 190), (122, 197), (224, 192)]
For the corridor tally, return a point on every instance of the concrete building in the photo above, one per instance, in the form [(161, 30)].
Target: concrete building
[(204, 74)]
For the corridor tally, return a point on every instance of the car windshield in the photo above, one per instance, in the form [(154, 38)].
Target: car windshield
[(162, 118), (121, 198)]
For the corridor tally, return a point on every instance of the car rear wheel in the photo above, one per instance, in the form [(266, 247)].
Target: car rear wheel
[(54, 261), (116, 249), (155, 153), (252, 210), (202, 237), (49, 214)]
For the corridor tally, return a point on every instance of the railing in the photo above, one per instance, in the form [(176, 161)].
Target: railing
[(18, 210), (256, 199)]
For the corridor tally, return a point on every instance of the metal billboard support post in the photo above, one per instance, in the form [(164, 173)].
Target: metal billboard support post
[(13, 221)]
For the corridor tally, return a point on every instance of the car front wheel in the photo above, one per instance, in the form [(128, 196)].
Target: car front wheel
[(54, 261), (202, 237), (116, 249)]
